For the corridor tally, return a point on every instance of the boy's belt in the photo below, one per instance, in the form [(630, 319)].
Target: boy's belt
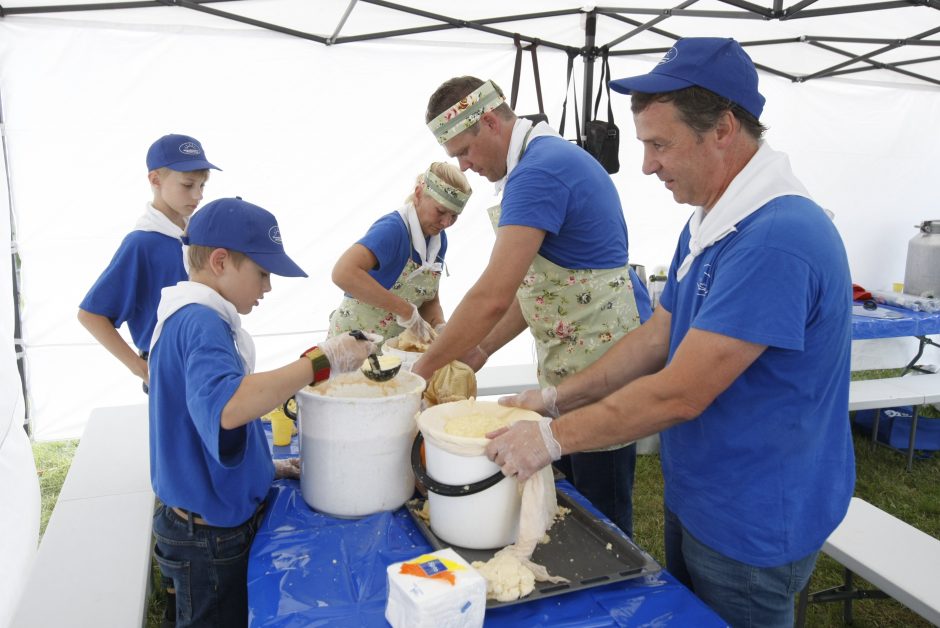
[(186, 515)]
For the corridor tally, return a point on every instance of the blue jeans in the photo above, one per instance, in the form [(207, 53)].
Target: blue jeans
[(208, 567), (605, 478), (743, 595)]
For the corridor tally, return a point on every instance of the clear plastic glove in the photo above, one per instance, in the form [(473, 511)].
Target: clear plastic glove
[(418, 327), (541, 400), (439, 328), (346, 353), (524, 448), (287, 468)]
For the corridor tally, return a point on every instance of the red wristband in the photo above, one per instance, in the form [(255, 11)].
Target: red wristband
[(321, 365)]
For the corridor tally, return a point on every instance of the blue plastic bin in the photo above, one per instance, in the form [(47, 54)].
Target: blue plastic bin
[(894, 428)]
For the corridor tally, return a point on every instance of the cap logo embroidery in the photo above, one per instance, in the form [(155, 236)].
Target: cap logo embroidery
[(275, 234), (189, 148), (670, 55)]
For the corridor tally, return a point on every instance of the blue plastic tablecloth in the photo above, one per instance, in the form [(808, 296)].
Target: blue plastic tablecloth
[(309, 569), (910, 324)]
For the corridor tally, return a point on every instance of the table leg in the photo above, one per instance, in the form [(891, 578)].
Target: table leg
[(910, 445), (912, 365)]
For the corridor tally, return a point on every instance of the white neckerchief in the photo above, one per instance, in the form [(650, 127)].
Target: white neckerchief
[(184, 293), (519, 130), (427, 251), (765, 177), (155, 220)]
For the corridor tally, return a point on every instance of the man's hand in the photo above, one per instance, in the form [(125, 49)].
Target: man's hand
[(345, 353), (287, 468), (524, 448), (475, 358), (541, 400)]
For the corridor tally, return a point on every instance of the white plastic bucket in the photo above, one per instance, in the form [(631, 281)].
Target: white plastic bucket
[(355, 439), (408, 358), (484, 520), (487, 519)]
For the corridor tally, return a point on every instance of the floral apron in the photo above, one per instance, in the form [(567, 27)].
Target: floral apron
[(575, 316), (354, 314)]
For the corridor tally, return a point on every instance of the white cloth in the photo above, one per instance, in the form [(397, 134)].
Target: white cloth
[(19, 516), (184, 293), (427, 251), (519, 130), (765, 177), (155, 220), (538, 500)]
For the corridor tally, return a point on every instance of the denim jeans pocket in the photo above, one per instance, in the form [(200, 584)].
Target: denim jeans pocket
[(179, 572), (229, 544)]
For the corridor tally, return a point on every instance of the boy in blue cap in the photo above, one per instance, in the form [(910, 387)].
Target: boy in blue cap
[(150, 257), (743, 369), (210, 463)]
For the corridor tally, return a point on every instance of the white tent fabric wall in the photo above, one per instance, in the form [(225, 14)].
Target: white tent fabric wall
[(329, 138)]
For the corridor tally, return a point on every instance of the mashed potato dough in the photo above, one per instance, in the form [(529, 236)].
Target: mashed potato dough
[(474, 425), (407, 341), (507, 578)]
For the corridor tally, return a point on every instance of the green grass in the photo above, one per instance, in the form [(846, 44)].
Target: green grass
[(882, 479), (52, 464)]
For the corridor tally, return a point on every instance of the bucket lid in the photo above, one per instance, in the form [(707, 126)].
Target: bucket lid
[(432, 421)]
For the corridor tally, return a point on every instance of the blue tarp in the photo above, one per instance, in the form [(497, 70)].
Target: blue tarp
[(308, 569), (910, 324)]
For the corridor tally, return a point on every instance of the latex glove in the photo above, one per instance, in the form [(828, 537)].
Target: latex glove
[(524, 448), (345, 353), (419, 327), (287, 468), (541, 400)]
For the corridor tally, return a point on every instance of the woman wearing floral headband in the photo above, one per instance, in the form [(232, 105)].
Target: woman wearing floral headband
[(390, 276)]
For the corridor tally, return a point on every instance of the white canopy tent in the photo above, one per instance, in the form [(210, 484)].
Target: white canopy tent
[(315, 111)]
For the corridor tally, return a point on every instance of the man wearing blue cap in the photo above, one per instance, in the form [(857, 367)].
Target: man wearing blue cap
[(743, 369), (210, 463), (151, 256)]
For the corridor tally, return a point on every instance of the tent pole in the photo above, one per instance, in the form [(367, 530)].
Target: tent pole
[(342, 22), (18, 346), (589, 53)]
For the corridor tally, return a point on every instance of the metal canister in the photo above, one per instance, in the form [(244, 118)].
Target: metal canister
[(922, 273)]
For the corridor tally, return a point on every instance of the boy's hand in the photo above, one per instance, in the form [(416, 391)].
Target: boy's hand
[(346, 353), (287, 468)]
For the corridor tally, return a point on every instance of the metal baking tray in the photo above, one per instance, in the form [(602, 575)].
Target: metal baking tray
[(588, 552)]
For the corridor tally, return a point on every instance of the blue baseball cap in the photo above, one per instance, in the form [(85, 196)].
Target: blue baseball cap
[(178, 152), (718, 64), (231, 223)]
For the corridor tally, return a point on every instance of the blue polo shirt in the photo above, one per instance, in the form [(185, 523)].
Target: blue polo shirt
[(128, 291), (389, 241), (561, 189), (765, 473), (223, 475)]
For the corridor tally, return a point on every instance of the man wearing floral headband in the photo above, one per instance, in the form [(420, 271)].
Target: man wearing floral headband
[(558, 267), (391, 275)]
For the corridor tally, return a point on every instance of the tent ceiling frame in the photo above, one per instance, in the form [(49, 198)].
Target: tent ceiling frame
[(738, 9)]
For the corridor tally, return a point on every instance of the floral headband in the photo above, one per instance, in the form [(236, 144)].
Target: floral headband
[(466, 112), (444, 193)]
